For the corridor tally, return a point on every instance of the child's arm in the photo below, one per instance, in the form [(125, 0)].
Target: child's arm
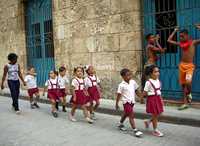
[(117, 101), (44, 90), (170, 39), (67, 86), (162, 50), (140, 95), (5, 71), (21, 77), (73, 93)]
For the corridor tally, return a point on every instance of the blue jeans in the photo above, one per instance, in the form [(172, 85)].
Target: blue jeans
[(14, 87)]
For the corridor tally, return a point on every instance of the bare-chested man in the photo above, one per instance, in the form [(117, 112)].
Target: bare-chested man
[(152, 49), (186, 66)]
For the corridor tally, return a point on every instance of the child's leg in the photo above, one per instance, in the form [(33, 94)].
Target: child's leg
[(85, 111), (132, 123), (86, 114), (53, 105), (14, 89), (63, 101), (37, 97), (156, 132), (131, 120), (123, 118), (31, 99), (154, 121), (53, 108), (96, 105), (57, 105), (91, 108), (73, 109), (31, 102)]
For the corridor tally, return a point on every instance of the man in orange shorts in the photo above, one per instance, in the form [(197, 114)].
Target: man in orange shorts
[(186, 66)]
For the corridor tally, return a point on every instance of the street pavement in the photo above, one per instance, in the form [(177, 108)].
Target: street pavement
[(37, 127)]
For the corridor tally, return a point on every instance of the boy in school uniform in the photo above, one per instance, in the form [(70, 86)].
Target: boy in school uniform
[(127, 90)]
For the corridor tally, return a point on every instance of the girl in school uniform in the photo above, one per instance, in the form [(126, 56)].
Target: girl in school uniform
[(63, 83), (154, 105), (31, 83), (12, 69), (79, 95), (92, 83), (52, 92)]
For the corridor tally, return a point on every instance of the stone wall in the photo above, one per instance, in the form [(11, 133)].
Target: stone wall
[(104, 33), (12, 32)]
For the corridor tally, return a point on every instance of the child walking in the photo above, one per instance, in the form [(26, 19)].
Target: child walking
[(14, 73), (63, 89), (92, 84), (52, 92), (79, 95), (154, 104), (127, 90), (31, 83)]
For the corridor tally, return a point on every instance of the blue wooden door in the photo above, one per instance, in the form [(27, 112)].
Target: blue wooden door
[(39, 37), (161, 16)]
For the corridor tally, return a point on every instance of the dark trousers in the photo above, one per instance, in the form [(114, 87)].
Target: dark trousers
[(14, 90)]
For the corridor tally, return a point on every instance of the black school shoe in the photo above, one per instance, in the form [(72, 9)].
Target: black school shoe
[(36, 105), (55, 114), (32, 106)]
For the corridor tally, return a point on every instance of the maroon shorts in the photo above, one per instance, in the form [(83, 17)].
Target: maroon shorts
[(32, 91), (154, 105), (94, 93), (128, 108), (53, 94), (81, 98), (62, 93)]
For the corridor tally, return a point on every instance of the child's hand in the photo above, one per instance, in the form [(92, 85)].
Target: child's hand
[(142, 101), (157, 37), (198, 26), (74, 98), (176, 28), (24, 83), (163, 50), (2, 86)]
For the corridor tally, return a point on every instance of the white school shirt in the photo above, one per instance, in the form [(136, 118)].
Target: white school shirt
[(13, 71), (49, 83), (150, 90), (127, 91), (62, 81), (88, 82), (75, 83), (31, 81)]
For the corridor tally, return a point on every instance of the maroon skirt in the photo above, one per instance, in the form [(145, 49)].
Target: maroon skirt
[(128, 108), (32, 91), (53, 94), (81, 98), (62, 93), (94, 93), (154, 105)]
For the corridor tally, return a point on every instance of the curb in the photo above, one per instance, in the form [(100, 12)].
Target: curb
[(138, 115)]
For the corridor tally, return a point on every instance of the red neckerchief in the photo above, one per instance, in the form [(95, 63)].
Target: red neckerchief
[(185, 45)]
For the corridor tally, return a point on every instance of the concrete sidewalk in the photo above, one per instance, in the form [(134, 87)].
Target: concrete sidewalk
[(190, 116)]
